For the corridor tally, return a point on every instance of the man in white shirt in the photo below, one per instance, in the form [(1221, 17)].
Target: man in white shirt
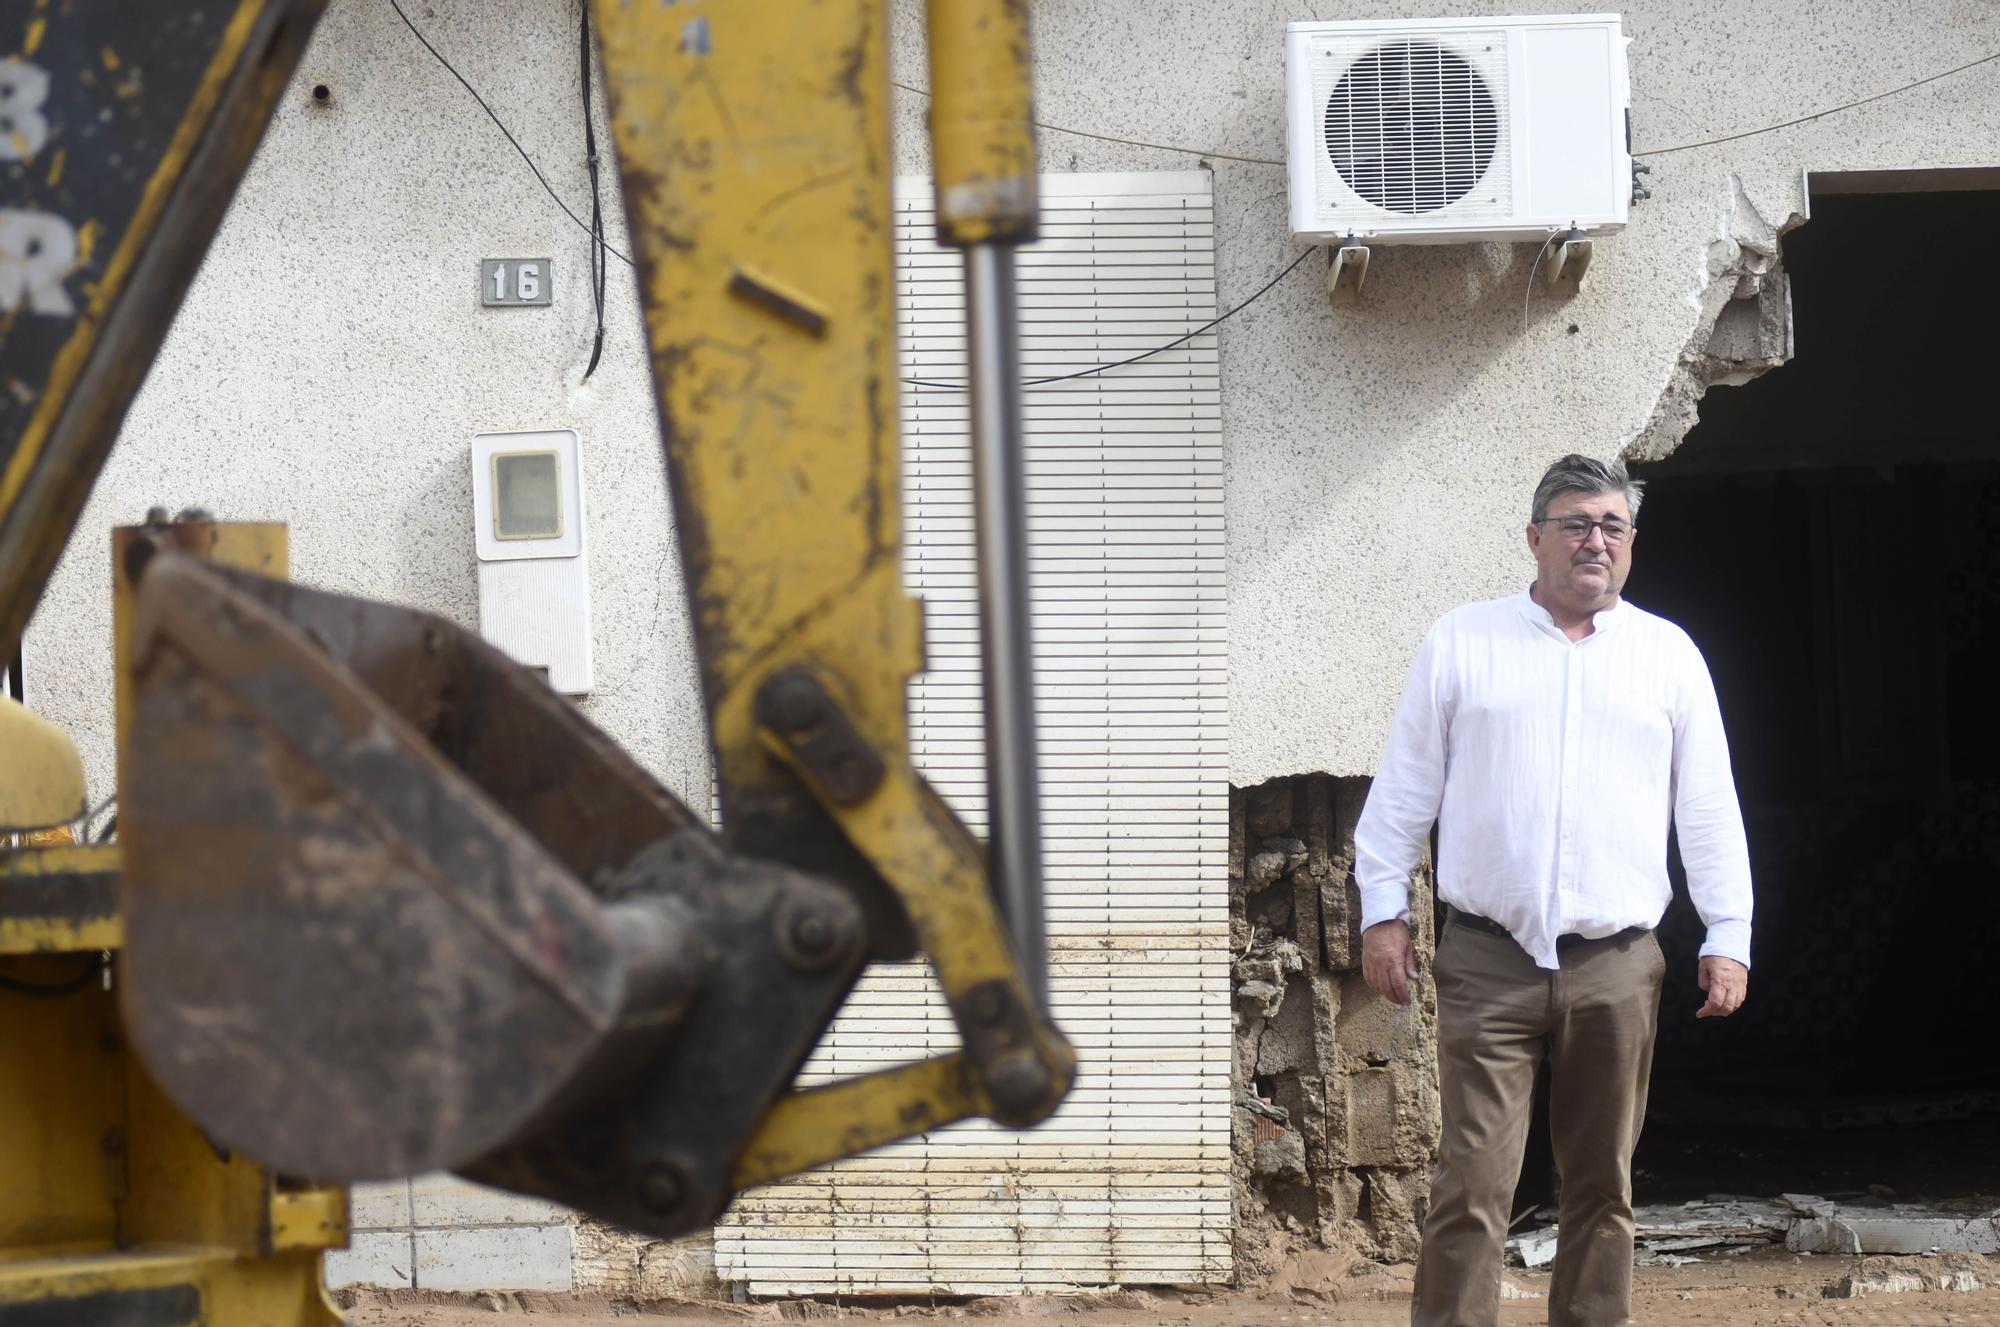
[(1552, 736)]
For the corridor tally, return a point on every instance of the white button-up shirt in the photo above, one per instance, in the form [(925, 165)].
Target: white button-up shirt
[(1553, 769)]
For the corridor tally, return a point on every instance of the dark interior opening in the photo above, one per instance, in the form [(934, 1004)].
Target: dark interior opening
[(1829, 534)]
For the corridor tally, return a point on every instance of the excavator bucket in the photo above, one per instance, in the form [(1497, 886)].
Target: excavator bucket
[(392, 906)]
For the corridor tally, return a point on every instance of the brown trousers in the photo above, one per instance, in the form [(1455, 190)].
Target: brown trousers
[(1498, 1014)]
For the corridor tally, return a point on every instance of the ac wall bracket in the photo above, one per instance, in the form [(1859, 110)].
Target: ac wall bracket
[(1568, 261), (1346, 269)]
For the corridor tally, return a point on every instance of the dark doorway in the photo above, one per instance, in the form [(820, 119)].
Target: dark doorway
[(1830, 536)]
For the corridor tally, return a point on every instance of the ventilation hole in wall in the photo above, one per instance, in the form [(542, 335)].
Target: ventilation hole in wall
[(322, 93)]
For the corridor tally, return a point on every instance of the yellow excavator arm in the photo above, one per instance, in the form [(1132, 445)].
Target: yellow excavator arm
[(380, 901)]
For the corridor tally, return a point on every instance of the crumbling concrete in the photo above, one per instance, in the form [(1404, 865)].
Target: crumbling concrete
[(1955, 1273), (1336, 1088), (1745, 326), (615, 1261)]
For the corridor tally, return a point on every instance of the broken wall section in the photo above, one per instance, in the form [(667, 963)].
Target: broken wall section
[(1336, 1119)]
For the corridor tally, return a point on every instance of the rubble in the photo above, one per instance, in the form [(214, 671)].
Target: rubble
[(1955, 1272), (1803, 1223), (1894, 1228), (1537, 1248)]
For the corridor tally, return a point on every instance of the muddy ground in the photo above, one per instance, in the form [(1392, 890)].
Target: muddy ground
[(1761, 1290)]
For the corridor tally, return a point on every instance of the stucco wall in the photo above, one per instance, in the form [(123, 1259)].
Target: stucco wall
[(332, 363), (1380, 457)]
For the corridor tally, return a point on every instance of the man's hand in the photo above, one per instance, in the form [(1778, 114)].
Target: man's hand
[(1725, 980), (1387, 960)]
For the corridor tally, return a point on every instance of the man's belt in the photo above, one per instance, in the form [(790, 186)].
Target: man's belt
[(1472, 921)]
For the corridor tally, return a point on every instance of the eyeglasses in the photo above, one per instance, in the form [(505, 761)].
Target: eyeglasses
[(1576, 529)]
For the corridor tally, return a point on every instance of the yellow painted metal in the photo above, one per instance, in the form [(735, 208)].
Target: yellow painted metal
[(760, 147), (106, 290), (823, 1124), (108, 1193), (222, 1289), (756, 145), (41, 782), (45, 482), (982, 122), (68, 930), (308, 1219), (61, 1098), (262, 547)]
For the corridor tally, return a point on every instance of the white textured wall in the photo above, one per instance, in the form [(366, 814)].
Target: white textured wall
[(332, 363), (1381, 457), (438, 1232)]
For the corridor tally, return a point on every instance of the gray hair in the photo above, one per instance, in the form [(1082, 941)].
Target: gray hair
[(1585, 474)]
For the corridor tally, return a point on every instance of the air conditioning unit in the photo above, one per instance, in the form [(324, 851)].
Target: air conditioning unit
[(1449, 130)]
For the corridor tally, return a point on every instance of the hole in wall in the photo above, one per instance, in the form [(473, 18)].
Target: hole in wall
[(1829, 534)]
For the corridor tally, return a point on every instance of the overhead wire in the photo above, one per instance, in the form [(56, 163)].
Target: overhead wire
[(1821, 115), (1114, 138), (598, 265), (1650, 152), (540, 178), (595, 227), (1210, 325)]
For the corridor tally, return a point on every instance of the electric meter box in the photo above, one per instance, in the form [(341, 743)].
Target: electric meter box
[(528, 530)]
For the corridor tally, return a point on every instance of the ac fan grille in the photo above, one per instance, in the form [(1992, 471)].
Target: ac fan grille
[(1411, 127)]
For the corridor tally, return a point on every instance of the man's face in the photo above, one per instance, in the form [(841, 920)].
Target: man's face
[(1589, 570)]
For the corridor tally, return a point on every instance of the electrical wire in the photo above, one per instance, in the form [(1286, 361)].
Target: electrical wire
[(1113, 138), (1529, 294), (1685, 146), (1156, 350), (598, 265), (449, 68), (1821, 115), (595, 226), (1174, 147)]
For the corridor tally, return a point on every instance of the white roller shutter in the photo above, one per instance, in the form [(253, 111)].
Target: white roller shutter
[(1129, 1184)]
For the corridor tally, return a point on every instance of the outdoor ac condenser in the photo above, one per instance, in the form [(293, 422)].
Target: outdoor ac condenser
[(1450, 130)]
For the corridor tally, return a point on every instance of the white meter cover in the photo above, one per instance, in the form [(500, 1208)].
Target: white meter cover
[(527, 495)]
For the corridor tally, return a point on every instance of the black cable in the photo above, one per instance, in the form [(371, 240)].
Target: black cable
[(54, 990), (595, 226), (503, 128), (598, 266), (1156, 350), (1821, 115)]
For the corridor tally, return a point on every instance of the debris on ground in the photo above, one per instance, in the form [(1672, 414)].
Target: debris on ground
[(1769, 1287), (1666, 1235), (1895, 1228), (1537, 1248), (1955, 1272), (1727, 1225)]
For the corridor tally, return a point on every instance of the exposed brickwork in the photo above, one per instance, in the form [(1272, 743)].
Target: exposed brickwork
[(1336, 1119)]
